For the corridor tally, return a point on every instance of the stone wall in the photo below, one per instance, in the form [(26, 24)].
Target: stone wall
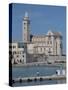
[(42, 58), (57, 57)]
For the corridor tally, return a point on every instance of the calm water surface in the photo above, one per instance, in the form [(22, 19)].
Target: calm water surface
[(32, 71)]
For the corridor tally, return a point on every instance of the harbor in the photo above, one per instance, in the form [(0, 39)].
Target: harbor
[(40, 78), (38, 75), (38, 55)]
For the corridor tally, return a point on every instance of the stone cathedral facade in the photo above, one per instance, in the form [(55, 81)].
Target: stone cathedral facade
[(35, 48), (48, 44)]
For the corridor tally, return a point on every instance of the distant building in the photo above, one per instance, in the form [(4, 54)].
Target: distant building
[(35, 47), (49, 44), (18, 52), (26, 29)]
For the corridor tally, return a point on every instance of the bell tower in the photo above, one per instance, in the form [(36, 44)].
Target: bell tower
[(26, 28)]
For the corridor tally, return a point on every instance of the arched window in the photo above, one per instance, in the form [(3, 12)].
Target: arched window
[(41, 49)]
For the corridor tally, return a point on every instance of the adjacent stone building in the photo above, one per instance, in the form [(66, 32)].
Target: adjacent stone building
[(18, 52)]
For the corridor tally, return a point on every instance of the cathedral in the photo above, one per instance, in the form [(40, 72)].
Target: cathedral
[(49, 44), (35, 48)]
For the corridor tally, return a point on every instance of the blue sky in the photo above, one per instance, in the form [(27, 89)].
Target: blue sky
[(42, 19)]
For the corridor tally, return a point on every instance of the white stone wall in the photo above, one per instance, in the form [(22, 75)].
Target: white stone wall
[(26, 29), (59, 49), (30, 48), (48, 44), (18, 54)]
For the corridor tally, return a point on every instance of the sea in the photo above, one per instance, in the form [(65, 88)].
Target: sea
[(18, 72)]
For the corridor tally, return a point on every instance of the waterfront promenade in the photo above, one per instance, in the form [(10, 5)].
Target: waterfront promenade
[(40, 64), (37, 73), (41, 78)]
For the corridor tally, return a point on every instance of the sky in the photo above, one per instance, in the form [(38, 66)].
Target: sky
[(42, 18)]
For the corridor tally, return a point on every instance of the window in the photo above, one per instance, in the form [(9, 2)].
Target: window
[(20, 60), (10, 46), (24, 27), (14, 52), (60, 45), (47, 42), (49, 50), (44, 49), (14, 46), (24, 23), (20, 45), (50, 42), (23, 55), (49, 37), (40, 49), (17, 55)]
